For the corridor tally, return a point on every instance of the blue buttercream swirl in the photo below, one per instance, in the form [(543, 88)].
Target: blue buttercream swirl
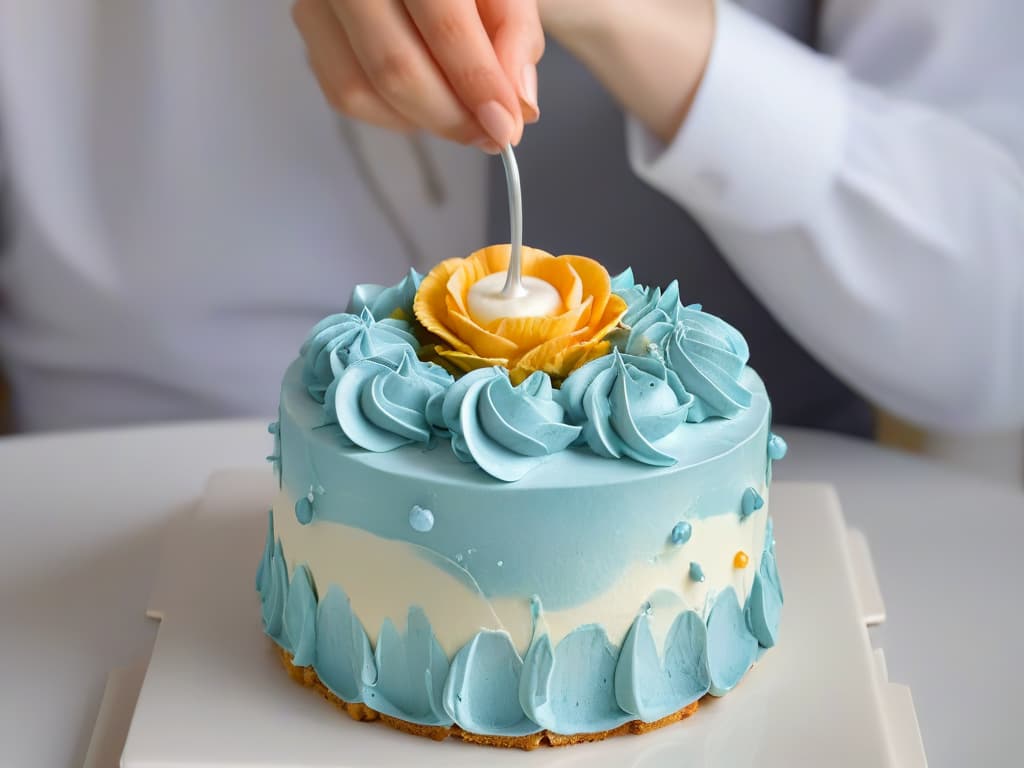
[(381, 402), (505, 430), (339, 340), (625, 404), (394, 301), (707, 353)]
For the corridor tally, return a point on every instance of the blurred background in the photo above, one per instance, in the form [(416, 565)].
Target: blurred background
[(180, 206)]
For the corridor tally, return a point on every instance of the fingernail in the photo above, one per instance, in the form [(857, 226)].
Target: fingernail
[(487, 146), (528, 82), (497, 122)]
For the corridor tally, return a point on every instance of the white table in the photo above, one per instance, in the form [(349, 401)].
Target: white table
[(85, 513)]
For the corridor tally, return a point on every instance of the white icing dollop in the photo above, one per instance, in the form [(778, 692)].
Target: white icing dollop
[(487, 302)]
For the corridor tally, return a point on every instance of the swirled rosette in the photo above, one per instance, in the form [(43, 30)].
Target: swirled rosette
[(391, 301), (625, 404), (381, 403), (505, 430), (707, 353), (339, 340)]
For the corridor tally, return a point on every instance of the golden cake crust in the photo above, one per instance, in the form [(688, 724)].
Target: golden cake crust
[(307, 676)]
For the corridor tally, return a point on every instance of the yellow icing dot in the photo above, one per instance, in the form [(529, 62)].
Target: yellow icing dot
[(741, 560)]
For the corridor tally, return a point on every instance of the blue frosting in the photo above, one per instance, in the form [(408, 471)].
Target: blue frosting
[(571, 688), (411, 672), (731, 646), (505, 430), (681, 532), (300, 618), (707, 353), (777, 447), (649, 685), (750, 502), (266, 561), (339, 340), (764, 606), (696, 572), (715, 462), (625, 404), (304, 509), (421, 519), (381, 402), (274, 593), (394, 301), (344, 661), (482, 691), (584, 684)]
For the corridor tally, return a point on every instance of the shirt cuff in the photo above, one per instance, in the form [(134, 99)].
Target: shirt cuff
[(764, 136)]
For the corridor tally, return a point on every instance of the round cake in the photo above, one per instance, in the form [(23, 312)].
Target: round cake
[(521, 531)]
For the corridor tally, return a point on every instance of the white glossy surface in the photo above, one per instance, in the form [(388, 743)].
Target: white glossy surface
[(215, 695), (85, 514), (488, 301)]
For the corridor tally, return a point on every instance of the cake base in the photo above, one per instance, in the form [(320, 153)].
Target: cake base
[(361, 713)]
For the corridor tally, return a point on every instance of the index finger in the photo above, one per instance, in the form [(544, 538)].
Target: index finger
[(459, 43)]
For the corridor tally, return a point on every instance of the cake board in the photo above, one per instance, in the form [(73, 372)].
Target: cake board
[(215, 695)]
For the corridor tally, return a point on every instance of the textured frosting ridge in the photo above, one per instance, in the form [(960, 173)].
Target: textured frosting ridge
[(652, 366), (625, 404), (582, 684), (707, 353), (394, 301), (505, 430), (381, 402), (339, 340)]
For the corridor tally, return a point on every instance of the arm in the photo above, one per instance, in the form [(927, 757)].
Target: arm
[(885, 233)]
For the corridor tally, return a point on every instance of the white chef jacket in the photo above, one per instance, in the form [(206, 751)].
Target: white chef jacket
[(184, 206)]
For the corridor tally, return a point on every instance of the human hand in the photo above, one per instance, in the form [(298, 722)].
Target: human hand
[(463, 70)]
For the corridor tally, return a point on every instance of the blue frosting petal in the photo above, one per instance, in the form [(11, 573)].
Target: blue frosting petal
[(300, 618), (411, 672), (387, 301), (344, 661), (731, 647), (339, 340), (626, 403), (649, 688), (381, 403), (505, 430), (274, 599), (572, 689), (764, 606), (482, 691), (263, 571)]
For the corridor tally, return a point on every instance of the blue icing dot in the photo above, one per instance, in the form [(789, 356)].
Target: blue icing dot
[(273, 427), (776, 447), (752, 501), (304, 510), (681, 532), (421, 519), (696, 572)]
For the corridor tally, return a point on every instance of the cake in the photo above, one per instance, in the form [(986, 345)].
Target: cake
[(525, 531)]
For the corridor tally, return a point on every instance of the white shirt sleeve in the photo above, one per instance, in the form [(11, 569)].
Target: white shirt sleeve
[(883, 226)]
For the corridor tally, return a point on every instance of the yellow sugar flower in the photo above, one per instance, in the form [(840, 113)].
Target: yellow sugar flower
[(556, 344)]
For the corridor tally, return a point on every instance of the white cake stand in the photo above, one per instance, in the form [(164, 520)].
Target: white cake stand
[(215, 695)]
